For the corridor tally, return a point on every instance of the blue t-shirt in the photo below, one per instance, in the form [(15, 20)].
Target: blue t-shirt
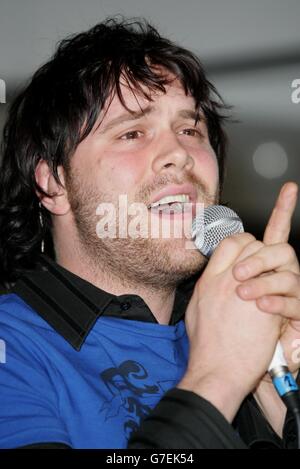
[(92, 398)]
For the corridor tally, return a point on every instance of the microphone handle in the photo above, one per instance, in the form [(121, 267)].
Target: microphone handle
[(282, 378)]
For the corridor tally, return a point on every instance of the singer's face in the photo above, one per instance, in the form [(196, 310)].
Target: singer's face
[(156, 150)]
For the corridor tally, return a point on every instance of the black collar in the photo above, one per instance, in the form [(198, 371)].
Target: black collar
[(72, 305)]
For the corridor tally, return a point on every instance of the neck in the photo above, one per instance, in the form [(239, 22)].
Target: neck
[(160, 301)]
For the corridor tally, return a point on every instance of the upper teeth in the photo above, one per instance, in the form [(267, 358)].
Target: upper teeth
[(182, 198)]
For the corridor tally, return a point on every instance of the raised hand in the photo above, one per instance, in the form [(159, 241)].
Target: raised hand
[(234, 319), (231, 340), (278, 291)]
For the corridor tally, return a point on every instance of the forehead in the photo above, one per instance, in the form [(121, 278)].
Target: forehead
[(135, 101)]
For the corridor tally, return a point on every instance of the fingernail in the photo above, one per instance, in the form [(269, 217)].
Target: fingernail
[(293, 189), (242, 271), (244, 291)]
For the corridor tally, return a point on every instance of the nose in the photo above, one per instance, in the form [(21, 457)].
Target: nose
[(170, 153)]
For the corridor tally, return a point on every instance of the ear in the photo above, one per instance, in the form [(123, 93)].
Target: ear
[(58, 203)]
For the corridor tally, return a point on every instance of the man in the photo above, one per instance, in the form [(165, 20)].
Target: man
[(97, 352)]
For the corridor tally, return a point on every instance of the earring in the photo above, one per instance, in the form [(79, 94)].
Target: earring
[(42, 226)]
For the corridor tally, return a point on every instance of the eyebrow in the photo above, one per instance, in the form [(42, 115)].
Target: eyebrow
[(191, 114), (126, 117), (136, 115)]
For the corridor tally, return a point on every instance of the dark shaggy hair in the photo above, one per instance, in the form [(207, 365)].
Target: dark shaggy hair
[(59, 107)]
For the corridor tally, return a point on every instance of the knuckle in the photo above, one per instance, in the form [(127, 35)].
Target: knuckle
[(242, 238), (236, 242), (252, 247), (228, 243), (292, 279), (257, 255), (247, 238), (288, 251), (256, 245), (296, 281)]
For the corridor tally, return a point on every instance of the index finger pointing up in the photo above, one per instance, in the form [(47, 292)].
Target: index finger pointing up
[(279, 224)]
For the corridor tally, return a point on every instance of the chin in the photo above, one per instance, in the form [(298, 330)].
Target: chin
[(181, 255)]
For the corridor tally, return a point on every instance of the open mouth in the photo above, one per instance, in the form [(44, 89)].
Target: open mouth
[(171, 204)]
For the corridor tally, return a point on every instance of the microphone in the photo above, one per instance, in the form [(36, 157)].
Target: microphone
[(209, 228)]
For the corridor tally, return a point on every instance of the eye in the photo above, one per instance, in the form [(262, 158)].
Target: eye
[(131, 135), (191, 132)]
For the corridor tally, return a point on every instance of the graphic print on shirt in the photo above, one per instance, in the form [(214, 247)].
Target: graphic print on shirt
[(132, 392)]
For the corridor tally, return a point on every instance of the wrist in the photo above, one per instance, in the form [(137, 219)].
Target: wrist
[(222, 394)]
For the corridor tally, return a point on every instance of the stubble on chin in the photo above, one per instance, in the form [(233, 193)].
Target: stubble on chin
[(154, 263)]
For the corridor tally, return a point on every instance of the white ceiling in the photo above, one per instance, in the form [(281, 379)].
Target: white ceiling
[(250, 48), (214, 28)]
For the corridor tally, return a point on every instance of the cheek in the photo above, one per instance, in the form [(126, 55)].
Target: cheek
[(110, 172), (121, 172), (206, 166)]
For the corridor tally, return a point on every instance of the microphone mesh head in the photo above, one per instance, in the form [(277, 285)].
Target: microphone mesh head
[(215, 224)]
